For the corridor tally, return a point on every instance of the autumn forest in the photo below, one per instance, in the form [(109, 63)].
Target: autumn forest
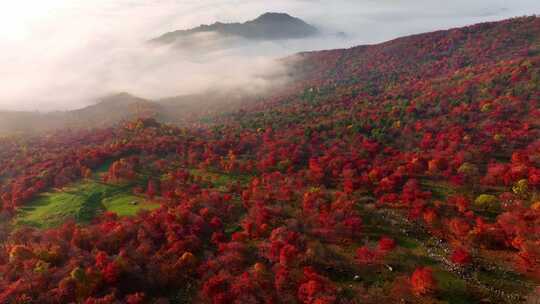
[(401, 172)]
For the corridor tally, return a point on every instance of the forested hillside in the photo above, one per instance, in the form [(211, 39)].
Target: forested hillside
[(403, 172)]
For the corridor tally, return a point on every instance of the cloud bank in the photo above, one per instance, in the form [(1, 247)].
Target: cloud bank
[(64, 54)]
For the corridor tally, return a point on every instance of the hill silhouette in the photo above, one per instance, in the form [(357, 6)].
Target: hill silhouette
[(269, 26)]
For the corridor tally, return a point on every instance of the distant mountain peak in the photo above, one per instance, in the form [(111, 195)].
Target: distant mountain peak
[(284, 18), (275, 17), (268, 26)]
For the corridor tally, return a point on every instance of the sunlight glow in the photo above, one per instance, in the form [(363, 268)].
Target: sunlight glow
[(18, 18)]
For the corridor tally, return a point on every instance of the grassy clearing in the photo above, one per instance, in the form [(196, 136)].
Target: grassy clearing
[(80, 202), (83, 201), (52, 209), (453, 289), (220, 180), (440, 190), (127, 205)]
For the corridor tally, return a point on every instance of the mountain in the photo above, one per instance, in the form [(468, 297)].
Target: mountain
[(269, 26), (402, 172), (106, 112), (111, 110)]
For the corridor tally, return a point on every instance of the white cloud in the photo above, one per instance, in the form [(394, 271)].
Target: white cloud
[(62, 54)]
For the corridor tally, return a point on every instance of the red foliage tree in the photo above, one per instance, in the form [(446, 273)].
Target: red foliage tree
[(423, 282)]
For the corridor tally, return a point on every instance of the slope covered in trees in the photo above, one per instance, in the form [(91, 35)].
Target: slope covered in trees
[(405, 172)]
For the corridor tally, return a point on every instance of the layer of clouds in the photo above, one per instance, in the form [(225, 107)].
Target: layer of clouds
[(63, 54)]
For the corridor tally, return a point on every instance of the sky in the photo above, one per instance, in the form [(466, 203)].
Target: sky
[(66, 54)]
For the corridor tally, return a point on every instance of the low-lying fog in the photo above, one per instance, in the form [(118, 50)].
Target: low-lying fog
[(63, 54)]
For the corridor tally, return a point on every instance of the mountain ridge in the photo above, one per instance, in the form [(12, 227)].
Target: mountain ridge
[(268, 26), (449, 49)]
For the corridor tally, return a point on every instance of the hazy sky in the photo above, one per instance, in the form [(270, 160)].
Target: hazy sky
[(63, 54)]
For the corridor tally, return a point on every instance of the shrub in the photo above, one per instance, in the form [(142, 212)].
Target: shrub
[(486, 201)]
